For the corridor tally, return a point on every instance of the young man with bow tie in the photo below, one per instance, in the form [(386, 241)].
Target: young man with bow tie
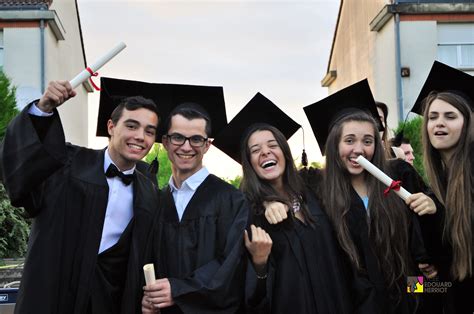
[(92, 210)]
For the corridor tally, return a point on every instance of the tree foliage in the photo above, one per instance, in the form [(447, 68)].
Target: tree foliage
[(235, 181), (164, 170), (14, 228), (8, 108)]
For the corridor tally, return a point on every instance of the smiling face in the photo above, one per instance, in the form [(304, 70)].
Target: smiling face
[(444, 126), (132, 136), (266, 157), (185, 159), (357, 139)]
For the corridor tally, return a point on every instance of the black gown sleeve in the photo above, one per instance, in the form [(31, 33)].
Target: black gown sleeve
[(33, 149)]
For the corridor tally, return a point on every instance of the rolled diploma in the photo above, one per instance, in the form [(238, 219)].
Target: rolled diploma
[(382, 177), (84, 75), (149, 271)]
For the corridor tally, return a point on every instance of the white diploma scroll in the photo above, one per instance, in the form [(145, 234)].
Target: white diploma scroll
[(149, 271), (84, 75), (382, 177)]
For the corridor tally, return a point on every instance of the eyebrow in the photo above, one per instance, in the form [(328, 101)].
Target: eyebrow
[(353, 135), (149, 126), (443, 112), (259, 144)]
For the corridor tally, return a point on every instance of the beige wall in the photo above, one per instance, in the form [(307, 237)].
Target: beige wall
[(22, 58), (419, 42), (384, 84), (353, 51), (64, 59)]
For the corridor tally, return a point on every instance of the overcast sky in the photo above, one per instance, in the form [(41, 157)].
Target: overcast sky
[(278, 48)]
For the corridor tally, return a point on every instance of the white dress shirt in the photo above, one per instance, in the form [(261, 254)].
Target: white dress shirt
[(183, 195), (119, 210)]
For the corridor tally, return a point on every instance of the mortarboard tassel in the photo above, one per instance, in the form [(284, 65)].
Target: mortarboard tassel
[(304, 159)]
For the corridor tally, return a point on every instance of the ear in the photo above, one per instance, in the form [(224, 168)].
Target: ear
[(399, 153), (110, 127), (207, 145), (164, 141)]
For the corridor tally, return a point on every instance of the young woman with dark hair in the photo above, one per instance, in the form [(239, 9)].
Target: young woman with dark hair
[(447, 135), (377, 232), (306, 261)]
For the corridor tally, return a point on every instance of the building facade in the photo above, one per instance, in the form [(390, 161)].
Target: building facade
[(394, 43), (41, 41)]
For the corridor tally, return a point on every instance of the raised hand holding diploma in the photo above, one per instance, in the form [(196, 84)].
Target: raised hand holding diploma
[(89, 71), (382, 177)]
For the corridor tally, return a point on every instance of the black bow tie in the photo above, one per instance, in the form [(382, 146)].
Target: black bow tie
[(112, 171)]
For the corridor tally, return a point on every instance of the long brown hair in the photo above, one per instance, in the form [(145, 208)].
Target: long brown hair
[(388, 222), (259, 191), (453, 185)]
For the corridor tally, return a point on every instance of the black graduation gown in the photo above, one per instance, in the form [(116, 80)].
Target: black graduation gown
[(373, 295), (306, 271), (64, 188), (458, 299), (358, 227), (407, 174), (201, 255)]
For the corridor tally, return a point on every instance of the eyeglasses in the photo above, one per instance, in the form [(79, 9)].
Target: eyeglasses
[(179, 139)]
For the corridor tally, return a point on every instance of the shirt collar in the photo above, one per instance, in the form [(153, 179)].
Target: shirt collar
[(108, 161), (193, 182)]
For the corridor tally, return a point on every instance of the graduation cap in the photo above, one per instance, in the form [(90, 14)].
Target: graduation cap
[(444, 78), (258, 110), (323, 114), (165, 96)]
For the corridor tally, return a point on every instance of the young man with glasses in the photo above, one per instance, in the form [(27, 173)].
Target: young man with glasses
[(197, 243)]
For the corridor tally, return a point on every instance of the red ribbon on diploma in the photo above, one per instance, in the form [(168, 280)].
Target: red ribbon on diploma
[(97, 88), (395, 185)]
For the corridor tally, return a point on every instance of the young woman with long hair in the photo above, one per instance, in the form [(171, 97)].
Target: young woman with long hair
[(447, 136), (377, 231), (305, 261)]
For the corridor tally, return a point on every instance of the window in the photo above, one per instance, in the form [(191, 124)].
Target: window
[(456, 44)]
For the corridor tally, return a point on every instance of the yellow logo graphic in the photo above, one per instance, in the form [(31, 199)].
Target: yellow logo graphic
[(415, 284)]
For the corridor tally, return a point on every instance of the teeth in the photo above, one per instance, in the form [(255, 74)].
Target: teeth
[(135, 146), (185, 156), (268, 163)]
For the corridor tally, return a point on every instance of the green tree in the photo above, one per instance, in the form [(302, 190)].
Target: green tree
[(412, 131), (235, 181), (164, 171), (14, 228), (7, 103)]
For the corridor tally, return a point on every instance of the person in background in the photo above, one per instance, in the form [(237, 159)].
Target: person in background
[(382, 111)]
